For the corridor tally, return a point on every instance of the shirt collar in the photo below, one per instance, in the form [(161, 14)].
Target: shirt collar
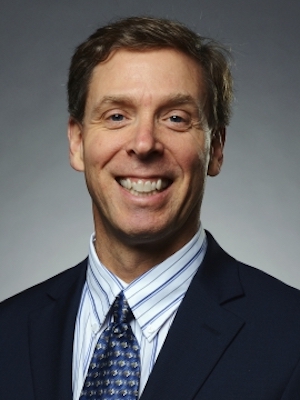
[(155, 295)]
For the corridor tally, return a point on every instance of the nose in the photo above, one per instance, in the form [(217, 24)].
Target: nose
[(145, 141)]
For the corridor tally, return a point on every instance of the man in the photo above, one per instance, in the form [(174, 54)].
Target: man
[(149, 101)]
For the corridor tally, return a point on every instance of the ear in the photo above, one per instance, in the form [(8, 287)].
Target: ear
[(75, 144), (216, 151)]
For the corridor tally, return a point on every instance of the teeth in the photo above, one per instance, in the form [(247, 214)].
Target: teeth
[(158, 185), (138, 186), (143, 187), (147, 186)]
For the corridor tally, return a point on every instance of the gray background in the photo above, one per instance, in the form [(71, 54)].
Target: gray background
[(252, 208)]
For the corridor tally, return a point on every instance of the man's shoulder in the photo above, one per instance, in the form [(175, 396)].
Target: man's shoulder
[(270, 296), (257, 289), (267, 301), (264, 282), (37, 295)]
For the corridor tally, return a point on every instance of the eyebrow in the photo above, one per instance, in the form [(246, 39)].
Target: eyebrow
[(114, 100), (173, 100)]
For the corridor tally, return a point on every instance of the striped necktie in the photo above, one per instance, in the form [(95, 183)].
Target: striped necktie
[(114, 371)]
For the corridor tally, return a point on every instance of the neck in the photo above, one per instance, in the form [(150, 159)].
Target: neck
[(128, 262), (129, 255), (124, 263)]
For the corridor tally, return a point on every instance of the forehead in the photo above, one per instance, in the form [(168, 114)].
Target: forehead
[(149, 74)]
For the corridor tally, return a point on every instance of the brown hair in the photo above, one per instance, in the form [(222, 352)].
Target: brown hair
[(148, 33)]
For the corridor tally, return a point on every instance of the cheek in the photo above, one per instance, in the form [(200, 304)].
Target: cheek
[(194, 159), (99, 151), (204, 152)]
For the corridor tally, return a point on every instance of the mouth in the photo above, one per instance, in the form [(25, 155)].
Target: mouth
[(142, 187)]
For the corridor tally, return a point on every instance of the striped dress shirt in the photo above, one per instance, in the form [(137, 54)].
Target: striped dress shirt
[(154, 299)]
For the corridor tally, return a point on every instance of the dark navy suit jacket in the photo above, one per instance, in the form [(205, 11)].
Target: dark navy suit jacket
[(236, 336)]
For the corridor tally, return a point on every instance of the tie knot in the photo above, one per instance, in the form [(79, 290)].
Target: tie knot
[(121, 310)]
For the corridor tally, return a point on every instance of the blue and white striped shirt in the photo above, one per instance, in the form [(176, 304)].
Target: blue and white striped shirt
[(153, 298)]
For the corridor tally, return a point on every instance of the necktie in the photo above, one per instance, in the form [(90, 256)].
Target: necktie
[(114, 371)]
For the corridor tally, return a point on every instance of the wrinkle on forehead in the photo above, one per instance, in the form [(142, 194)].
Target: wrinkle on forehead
[(161, 77)]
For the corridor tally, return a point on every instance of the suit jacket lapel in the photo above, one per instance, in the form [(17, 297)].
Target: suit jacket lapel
[(201, 331), (51, 331)]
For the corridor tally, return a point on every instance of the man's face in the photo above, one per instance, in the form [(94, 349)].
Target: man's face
[(144, 147)]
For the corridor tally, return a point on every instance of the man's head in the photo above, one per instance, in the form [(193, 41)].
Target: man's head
[(141, 34), (149, 101)]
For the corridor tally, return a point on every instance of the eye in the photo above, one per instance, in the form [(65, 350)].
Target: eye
[(117, 117), (115, 120), (177, 119)]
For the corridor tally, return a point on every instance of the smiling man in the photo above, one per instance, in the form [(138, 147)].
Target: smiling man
[(158, 310), (144, 144)]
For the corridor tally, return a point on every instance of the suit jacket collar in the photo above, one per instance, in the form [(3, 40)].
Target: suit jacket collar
[(202, 329), (201, 332), (51, 332)]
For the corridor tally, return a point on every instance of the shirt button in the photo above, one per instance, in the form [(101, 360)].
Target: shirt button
[(150, 329), (95, 328)]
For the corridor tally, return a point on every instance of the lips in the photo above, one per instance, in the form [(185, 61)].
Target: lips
[(144, 186)]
